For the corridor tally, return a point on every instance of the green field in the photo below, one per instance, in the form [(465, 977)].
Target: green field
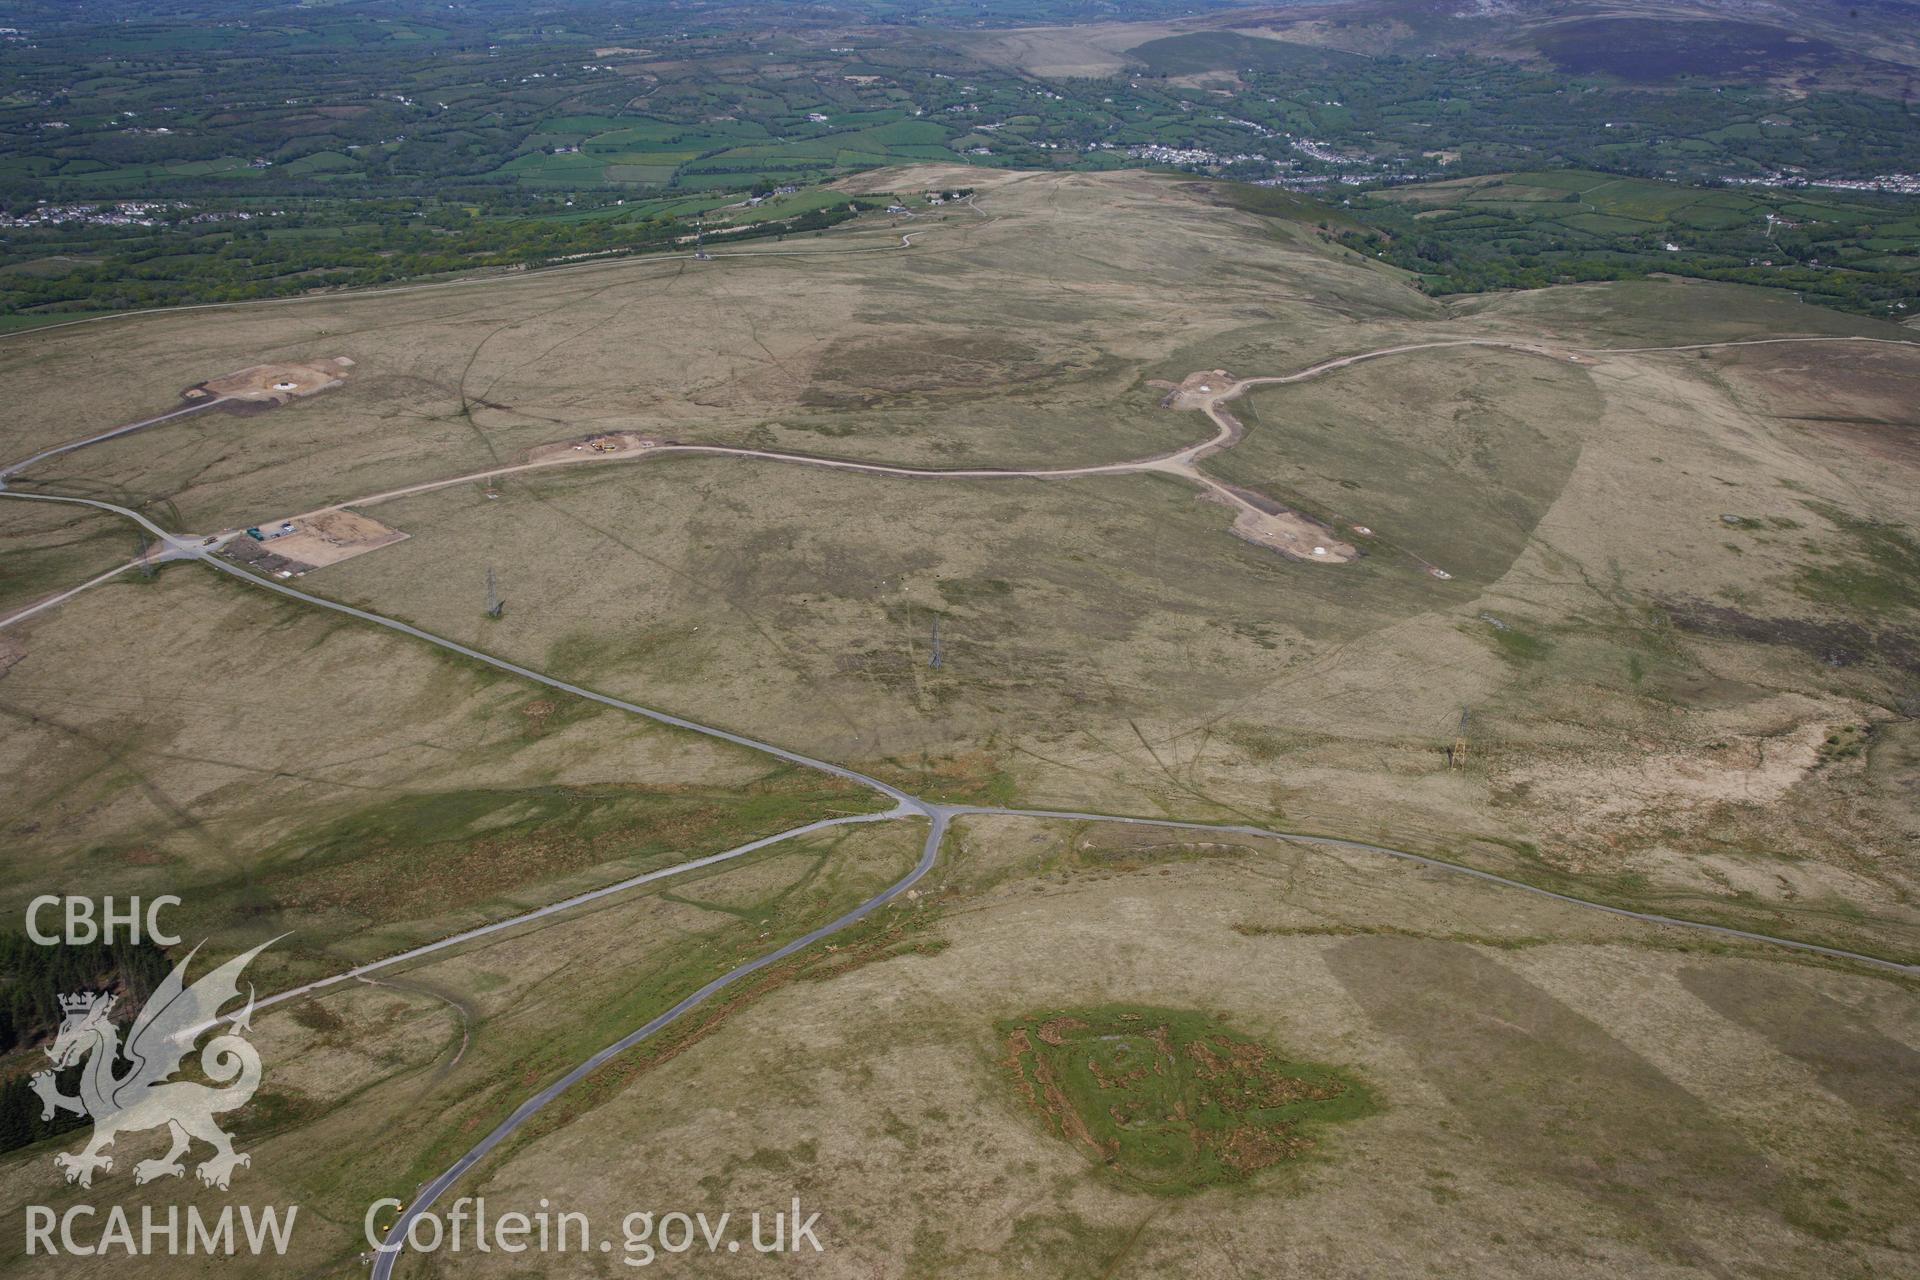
[(470, 133), (1169, 1101), (1858, 252)]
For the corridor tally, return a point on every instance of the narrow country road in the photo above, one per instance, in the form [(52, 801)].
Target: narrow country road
[(395, 1241), (906, 805), (578, 899), (50, 602), (12, 469), (938, 816)]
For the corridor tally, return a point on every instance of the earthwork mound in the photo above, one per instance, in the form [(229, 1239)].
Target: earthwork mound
[(1168, 1100)]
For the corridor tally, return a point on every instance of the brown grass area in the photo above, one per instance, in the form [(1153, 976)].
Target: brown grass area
[(239, 723), (1633, 1108), (423, 880), (1254, 1147), (785, 351), (1056, 1030), (1109, 643)]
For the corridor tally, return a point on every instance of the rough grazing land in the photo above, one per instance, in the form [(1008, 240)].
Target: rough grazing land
[(1665, 597), (1651, 556), (1555, 1093)]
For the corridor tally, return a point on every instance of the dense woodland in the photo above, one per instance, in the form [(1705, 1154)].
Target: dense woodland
[(1855, 252), (32, 980)]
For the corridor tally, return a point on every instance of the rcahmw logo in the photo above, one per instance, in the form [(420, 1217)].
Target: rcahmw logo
[(126, 1088)]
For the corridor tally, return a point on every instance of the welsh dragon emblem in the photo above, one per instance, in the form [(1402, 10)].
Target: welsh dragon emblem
[(140, 1095)]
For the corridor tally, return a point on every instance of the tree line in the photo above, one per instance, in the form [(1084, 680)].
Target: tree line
[(33, 977)]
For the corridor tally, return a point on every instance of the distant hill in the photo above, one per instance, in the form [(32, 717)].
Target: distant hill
[(1873, 45)]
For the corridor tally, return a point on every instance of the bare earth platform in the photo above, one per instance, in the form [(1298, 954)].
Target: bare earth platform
[(589, 447), (315, 542), (274, 383)]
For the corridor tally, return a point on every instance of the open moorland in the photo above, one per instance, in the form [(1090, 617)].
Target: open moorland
[(238, 757), (1045, 297), (1650, 587), (51, 549), (1544, 1093), (1654, 597), (1093, 494), (380, 1082)]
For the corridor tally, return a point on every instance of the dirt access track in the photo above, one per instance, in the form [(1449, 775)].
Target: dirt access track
[(273, 383), (1257, 518)]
